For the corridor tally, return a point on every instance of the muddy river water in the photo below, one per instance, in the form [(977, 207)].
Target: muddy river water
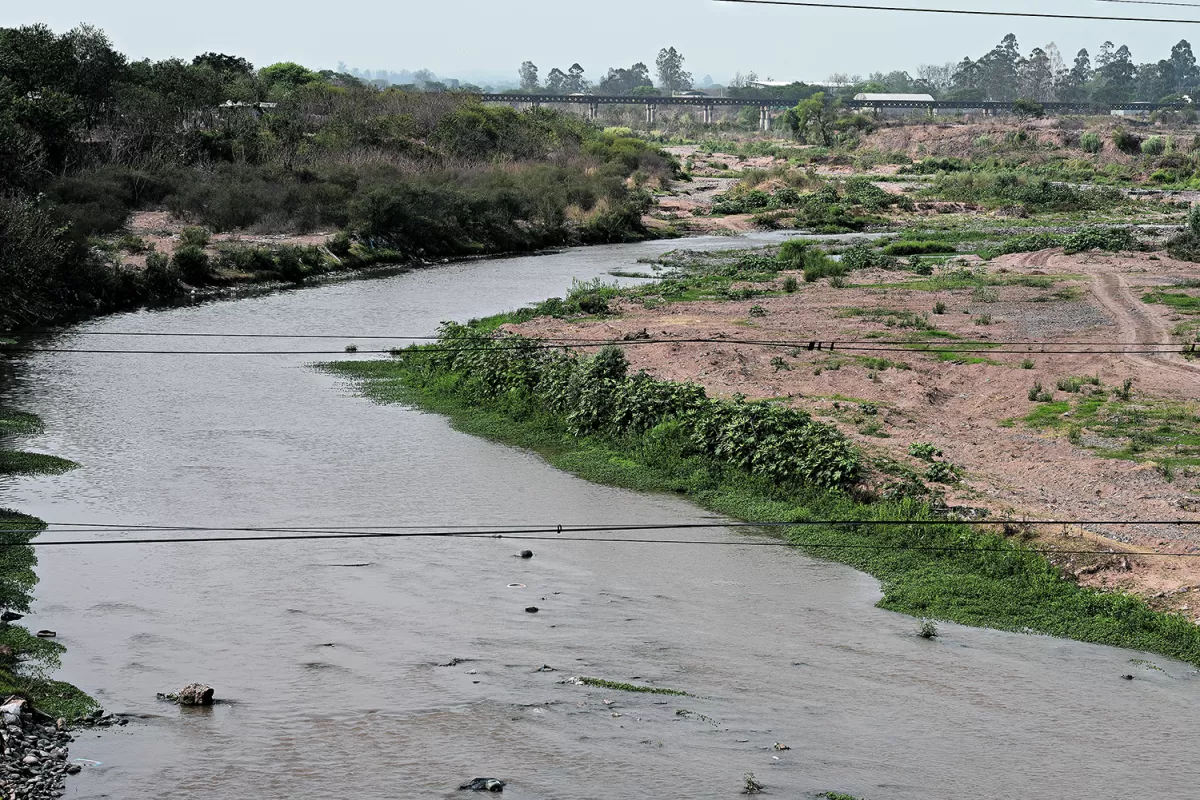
[(331, 671)]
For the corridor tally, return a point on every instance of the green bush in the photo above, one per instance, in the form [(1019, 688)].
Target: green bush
[(1111, 239), (917, 248), (818, 265), (864, 256), (195, 237), (1154, 146), (1126, 142), (1091, 142), (597, 396), (193, 265), (162, 278), (340, 244)]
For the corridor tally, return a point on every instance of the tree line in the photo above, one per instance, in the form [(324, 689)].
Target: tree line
[(634, 80), (88, 136)]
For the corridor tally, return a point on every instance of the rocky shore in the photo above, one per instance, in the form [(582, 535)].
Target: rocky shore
[(34, 761)]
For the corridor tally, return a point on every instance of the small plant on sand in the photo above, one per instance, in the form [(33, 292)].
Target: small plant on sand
[(753, 786), (757, 311), (1126, 390), (351, 348), (779, 364), (939, 307), (943, 472), (1038, 394), (837, 282), (924, 451), (1027, 364), (927, 629), (790, 284)]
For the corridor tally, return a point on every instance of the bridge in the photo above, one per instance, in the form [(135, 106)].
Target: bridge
[(768, 106)]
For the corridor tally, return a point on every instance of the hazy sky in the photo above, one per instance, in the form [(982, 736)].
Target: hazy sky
[(478, 39)]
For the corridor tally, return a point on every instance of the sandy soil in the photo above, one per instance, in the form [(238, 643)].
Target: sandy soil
[(1013, 471), (162, 230)]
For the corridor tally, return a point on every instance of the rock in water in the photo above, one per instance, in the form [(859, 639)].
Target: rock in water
[(531, 609), (195, 694), (526, 554), (483, 785)]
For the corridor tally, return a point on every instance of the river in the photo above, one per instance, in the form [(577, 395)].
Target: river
[(330, 672)]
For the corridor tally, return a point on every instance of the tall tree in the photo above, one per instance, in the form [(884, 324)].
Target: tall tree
[(1036, 78), (1183, 66), (575, 81), (1074, 86), (671, 75), (556, 81), (529, 77), (624, 81), (1116, 77)]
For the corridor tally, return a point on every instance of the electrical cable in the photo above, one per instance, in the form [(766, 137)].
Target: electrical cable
[(979, 13), (408, 337), (536, 533), (552, 344)]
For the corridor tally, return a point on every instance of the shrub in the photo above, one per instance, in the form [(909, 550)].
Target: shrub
[(1126, 142), (161, 277), (1154, 146), (917, 248), (819, 265), (837, 282), (939, 307), (792, 253), (757, 311), (193, 265), (1091, 142), (779, 364), (928, 629), (1110, 239), (924, 451), (943, 472), (132, 244), (340, 244), (195, 236), (1024, 109), (1038, 394), (1027, 364), (790, 284), (864, 256)]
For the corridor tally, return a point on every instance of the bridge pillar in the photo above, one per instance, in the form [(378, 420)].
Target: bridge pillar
[(650, 113), (764, 118), (593, 111)]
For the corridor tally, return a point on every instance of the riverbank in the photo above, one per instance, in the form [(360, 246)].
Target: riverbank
[(26, 660), (928, 567)]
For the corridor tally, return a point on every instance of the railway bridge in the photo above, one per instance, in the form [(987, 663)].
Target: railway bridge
[(767, 107)]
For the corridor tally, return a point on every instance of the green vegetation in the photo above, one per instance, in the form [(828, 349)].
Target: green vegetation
[(1008, 187), (600, 683), (1118, 426), (906, 248), (87, 137), (26, 671), (756, 461), (924, 451)]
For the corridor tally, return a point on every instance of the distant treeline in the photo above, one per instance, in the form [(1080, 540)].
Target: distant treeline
[(87, 137)]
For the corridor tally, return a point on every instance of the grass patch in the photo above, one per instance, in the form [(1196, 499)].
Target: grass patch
[(927, 569), (1183, 303), (18, 462), (1136, 429), (630, 687), (18, 422)]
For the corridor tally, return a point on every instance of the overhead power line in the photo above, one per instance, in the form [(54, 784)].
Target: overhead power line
[(553, 344), (979, 13), (1152, 3), (435, 337), (555, 533)]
